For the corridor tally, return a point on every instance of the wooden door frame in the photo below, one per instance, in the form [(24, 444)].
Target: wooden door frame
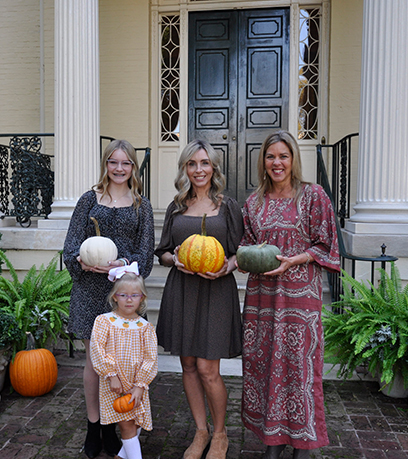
[(171, 150)]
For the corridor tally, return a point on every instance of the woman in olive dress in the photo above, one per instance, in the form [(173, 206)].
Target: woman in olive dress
[(199, 316)]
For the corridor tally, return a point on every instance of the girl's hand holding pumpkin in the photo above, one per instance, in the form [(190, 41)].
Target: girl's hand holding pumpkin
[(100, 269), (137, 394), (83, 265), (106, 269), (115, 385)]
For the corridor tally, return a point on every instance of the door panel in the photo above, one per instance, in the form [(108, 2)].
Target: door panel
[(238, 86), (212, 99)]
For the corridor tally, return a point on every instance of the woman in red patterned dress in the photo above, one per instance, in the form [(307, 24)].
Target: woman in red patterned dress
[(283, 336)]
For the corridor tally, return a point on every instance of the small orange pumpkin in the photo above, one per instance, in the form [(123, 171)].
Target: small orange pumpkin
[(122, 405), (33, 372), (202, 253)]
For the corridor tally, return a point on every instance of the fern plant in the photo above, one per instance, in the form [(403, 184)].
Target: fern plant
[(1, 261), (372, 330), (40, 302)]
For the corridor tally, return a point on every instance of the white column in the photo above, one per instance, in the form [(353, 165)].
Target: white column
[(76, 105), (382, 189), (382, 194)]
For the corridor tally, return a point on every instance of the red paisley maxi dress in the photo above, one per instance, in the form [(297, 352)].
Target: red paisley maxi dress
[(283, 337)]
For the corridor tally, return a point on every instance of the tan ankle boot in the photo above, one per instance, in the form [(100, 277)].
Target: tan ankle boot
[(201, 439), (219, 446)]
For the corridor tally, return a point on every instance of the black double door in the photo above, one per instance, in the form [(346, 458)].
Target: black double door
[(238, 86)]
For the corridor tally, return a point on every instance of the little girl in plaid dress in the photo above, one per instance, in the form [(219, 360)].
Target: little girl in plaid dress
[(124, 354)]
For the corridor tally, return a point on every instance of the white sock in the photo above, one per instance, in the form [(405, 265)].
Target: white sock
[(132, 448), (122, 453)]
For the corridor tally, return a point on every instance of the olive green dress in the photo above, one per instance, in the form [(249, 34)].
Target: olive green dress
[(201, 317)]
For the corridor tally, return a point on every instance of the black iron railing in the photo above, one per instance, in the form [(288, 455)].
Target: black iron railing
[(338, 190), (26, 178), (27, 175)]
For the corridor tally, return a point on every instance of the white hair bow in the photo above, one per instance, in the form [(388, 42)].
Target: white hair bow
[(117, 273)]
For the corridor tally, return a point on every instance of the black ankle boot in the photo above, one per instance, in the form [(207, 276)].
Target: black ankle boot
[(301, 453), (273, 452), (93, 442), (111, 442)]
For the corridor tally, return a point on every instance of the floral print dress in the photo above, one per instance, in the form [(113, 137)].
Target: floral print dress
[(283, 335)]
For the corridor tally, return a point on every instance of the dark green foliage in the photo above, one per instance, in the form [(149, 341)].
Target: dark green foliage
[(373, 328), (1, 262), (40, 303), (9, 330)]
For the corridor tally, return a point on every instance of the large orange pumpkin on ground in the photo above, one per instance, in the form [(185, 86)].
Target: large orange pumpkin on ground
[(201, 253), (33, 372), (122, 405)]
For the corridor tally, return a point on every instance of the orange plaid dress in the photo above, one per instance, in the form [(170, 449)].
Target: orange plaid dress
[(126, 348)]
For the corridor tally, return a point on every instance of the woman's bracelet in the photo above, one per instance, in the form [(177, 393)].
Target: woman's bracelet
[(308, 258), (125, 261)]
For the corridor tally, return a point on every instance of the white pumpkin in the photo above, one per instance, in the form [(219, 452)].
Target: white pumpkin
[(98, 250)]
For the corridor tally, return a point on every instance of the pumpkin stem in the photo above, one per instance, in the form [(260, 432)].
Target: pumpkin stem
[(261, 245), (30, 342), (203, 230), (98, 231)]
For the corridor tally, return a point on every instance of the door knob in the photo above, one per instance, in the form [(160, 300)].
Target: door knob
[(224, 136), (233, 138)]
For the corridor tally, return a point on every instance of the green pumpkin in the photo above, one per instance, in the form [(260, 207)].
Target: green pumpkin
[(258, 258)]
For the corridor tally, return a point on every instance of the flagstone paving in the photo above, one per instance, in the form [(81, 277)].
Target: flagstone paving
[(362, 422)]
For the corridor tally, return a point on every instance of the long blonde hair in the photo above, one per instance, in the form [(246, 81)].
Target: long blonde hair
[(265, 182), (182, 182), (129, 279), (134, 182)]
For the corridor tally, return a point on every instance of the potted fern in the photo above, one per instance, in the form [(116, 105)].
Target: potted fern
[(371, 330), (9, 334), (39, 303)]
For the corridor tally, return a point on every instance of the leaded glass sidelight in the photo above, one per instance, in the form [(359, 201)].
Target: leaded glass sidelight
[(170, 78), (309, 51)]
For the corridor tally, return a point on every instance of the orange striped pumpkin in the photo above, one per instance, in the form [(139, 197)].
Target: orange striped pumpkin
[(33, 372), (201, 253)]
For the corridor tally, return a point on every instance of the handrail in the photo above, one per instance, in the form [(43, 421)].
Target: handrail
[(26, 176), (340, 198), (28, 135)]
